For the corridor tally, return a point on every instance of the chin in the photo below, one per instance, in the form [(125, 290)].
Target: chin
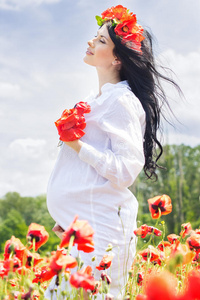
[(87, 60)]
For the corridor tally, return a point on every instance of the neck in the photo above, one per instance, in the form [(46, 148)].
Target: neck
[(106, 77)]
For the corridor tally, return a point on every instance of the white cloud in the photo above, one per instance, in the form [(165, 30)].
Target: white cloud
[(8, 90), (27, 148), (26, 165), (187, 70), (19, 4), (42, 73)]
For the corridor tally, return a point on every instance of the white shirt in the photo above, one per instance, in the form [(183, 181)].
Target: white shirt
[(94, 182)]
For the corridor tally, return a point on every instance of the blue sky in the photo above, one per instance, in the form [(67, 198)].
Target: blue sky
[(42, 45)]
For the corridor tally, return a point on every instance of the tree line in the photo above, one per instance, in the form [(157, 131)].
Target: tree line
[(179, 178)]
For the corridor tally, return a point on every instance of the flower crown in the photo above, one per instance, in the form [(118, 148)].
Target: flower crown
[(125, 26)]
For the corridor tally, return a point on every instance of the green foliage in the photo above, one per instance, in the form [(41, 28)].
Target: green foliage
[(17, 213), (180, 179)]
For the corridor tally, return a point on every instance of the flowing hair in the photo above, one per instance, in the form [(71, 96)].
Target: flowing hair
[(140, 70)]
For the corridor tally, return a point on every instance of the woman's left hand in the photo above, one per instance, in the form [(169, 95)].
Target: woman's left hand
[(76, 145)]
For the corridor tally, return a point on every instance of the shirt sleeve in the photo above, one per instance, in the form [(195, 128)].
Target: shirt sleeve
[(122, 162)]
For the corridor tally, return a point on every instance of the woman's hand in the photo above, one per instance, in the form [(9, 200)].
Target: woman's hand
[(76, 145), (58, 230)]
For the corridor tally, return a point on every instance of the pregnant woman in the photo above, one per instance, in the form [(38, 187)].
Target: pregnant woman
[(92, 173)]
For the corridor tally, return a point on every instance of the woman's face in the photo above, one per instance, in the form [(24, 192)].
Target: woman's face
[(100, 51)]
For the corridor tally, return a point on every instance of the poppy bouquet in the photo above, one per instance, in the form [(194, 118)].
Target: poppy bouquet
[(72, 122), (125, 26)]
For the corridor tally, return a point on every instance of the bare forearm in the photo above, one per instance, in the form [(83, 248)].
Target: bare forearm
[(76, 145)]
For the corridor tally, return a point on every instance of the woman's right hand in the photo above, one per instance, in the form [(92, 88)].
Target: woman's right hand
[(58, 230)]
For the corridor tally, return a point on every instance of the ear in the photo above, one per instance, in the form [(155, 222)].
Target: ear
[(116, 61)]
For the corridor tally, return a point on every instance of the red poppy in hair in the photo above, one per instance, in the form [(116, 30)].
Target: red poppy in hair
[(38, 235), (117, 12), (160, 205), (105, 263)]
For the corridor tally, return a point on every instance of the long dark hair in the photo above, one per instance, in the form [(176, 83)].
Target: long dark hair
[(140, 70)]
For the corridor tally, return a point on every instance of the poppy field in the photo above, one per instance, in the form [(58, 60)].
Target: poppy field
[(166, 267)]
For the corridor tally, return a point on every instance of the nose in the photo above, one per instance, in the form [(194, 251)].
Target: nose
[(91, 43)]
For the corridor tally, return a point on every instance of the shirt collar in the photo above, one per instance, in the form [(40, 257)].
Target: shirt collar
[(105, 90), (109, 86)]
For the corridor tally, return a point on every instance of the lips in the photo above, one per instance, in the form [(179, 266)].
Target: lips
[(89, 52)]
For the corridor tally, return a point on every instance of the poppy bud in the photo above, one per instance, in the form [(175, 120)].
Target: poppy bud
[(105, 277), (109, 248)]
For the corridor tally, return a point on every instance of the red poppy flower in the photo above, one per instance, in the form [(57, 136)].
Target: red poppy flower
[(83, 279), (141, 297), (145, 229), (194, 242), (154, 230), (193, 291), (142, 231), (82, 232), (163, 245), (114, 12), (172, 238), (10, 265), (60, 261), (86, 247), (43, 274), (38, 233), (105, 263), (161, 286), (83, 107), (14, 246), (186, 229), (125, 28), (32, 259), (160, 205), (140, 277), (184, 251), (72, 122), (151, 253)]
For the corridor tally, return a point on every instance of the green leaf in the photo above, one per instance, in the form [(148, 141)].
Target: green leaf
[(99, 20)]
